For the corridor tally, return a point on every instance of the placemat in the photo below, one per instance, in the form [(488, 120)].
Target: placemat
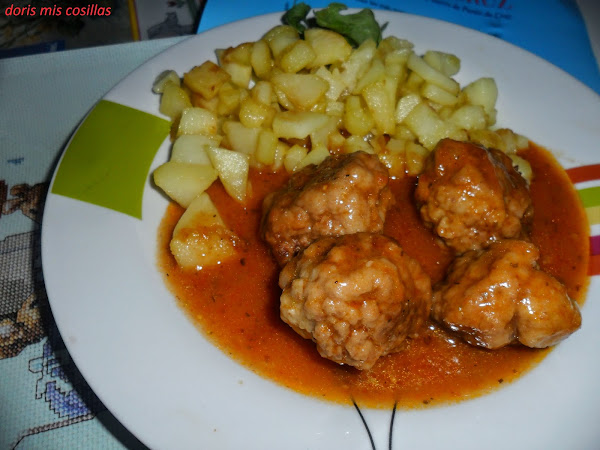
[(44, 401)]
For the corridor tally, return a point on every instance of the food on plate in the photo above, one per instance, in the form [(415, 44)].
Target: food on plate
[(182, 181), (367, 180), (201, 238), (303, 93), (499, 296), (472, 196), (307, 90), (237, 303), (345, 194), (358, 297)]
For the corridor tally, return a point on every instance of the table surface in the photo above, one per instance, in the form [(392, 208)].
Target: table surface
[(44, 401)]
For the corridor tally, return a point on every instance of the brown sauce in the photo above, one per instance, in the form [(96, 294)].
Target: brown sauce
[(236, 304)]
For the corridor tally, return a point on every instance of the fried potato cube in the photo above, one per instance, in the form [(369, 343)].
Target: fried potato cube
[(293, 157), (393, 155), (357, 118), (241, 74), (413, 82), (356, 143), (483, 92), (335, 141), (182, 182), (320, 136), (374, 74), (397, 57), (302, 91), (405, 106), (513, 141), (522, 166), (261, 59), (334, 109), (429, 128), (428, 73), (380, 97), (200, 237), (438, 95), (395, 69), (206, 79), (330, 47), (298, 124), (191, 148), (316, 156), (357, 63), (263, 92), (241, 138), (487, 138), (415, 158), (233, 168), (280, 152), (255, 114), (266, 147), (239, 54), (403, 132), (469, 117), (394, 45), (446, 63), (164, 78), (296, 56), (197, 120), (280, 37), (335, 81), (229, 99), (201, 102), (173, 100)]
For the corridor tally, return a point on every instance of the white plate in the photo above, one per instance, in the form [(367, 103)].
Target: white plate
[(159, 376)]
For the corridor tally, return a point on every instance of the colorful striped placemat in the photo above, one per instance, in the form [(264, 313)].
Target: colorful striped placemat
[(587, 182)]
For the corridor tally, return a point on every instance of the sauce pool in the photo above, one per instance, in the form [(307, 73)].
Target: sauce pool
[(236, 304)]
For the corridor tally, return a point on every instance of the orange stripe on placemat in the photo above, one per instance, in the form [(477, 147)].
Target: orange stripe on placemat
[(594, 268), (584, 173)]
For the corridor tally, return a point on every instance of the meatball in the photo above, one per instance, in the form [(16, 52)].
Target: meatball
[(345, 194), (472, 196), (499, 296), (357, 296)]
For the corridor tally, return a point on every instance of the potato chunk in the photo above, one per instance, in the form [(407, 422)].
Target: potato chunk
[(206, 79), (298, 124), (183, 182), (174, 100), (483, 92), (296, 56), (301, 91), (196, 120), (191, 148), (241, 138), (329, 47), (428, 73), (233, 168), (201, 238), (164, 78), (281, 37)]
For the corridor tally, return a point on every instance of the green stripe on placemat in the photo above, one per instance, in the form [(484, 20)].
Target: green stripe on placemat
[(593, 214), (590, 196), (109, 157)]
